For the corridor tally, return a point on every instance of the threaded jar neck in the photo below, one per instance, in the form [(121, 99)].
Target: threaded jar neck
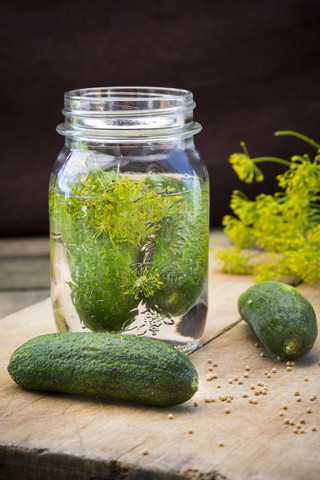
[(128, 114)]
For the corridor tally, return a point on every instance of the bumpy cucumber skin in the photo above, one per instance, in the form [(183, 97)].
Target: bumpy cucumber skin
[(129, 368), (281, 317)]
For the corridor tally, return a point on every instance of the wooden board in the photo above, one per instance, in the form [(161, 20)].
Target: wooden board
[(56, 436)]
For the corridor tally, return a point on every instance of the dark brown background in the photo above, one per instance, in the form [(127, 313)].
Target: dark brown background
[(253, 67)]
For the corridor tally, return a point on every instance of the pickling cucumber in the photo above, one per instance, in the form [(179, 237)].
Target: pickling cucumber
[(135, 369), (281, 317)]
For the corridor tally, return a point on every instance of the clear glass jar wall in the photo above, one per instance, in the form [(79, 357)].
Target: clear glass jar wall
[(129, 216)]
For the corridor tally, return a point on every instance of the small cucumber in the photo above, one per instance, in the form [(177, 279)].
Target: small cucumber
[(281, 317), (120, 367)]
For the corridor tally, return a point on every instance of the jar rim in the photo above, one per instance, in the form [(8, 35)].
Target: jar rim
[(128, 113), (126, 100)]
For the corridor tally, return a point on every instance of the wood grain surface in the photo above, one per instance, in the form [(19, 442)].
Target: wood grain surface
[(57, 436)]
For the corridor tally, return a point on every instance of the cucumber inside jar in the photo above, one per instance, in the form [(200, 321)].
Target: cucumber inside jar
[(130, 241)]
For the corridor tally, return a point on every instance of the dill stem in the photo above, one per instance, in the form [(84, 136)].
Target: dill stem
[(298, 135), (271, 159)]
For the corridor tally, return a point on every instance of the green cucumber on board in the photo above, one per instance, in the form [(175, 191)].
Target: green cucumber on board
[(122, 367), (281, 317)]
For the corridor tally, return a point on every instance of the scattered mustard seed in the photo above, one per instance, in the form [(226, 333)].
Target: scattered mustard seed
[(287, 421), (314, 428), (215, 364), (170, 416), (268, 376), (284, 407), (236, 379), (214, 375), (207, 400), (230, 381), (306, 379), (281, 414), (255, 402), (262, 354), (210, 369), (218, 386), (292, 364), (240, 382), (274, 370), (195, 404), (299, 399), (288, 364), (144, 452), (288, 369), (244, 395), (295, 430), (301, 430), (209, 378), (228, 400), (245, 375), (313, 397), (227, 410), (302, 420), (221, 444), (209, 360), (291, 422), (298, 425), (296, 394), (309, 410), (247, 368), (190, 430)]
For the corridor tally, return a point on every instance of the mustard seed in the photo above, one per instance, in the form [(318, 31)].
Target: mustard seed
[(288, 364), (244, 395), (209, 360), (215, 364), (312, 398), (296, 394), (218, 386), (236, 379), (291, 422), (227, 410), (207, 400), (301, 431), (314, 428), (170, 416), (259, 384), (257, 345), (266, 372), (247, 368), (221, 444), (262, 354), (302, 420), (240, 382), (274, 370), (284, 407), (210, 369), (195, 404), (144, 452), (250, 400), (287, 421), (281, 414), (288, 369), (209, 378), (190, 430), (213, 400), (292, 364), (268, 376), (230, 381), (298, 425), (306, 379), (252, 387), (309, 410), (245, 375), (228, 400), (299, 399), (214, 375), (295, 430), (255, 402)]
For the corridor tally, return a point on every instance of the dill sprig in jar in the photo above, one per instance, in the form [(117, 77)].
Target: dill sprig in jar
[(129, 216)]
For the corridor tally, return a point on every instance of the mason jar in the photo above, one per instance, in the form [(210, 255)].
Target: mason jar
[(129, 216)]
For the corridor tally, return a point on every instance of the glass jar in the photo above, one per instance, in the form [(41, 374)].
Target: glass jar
[(129, 216)]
